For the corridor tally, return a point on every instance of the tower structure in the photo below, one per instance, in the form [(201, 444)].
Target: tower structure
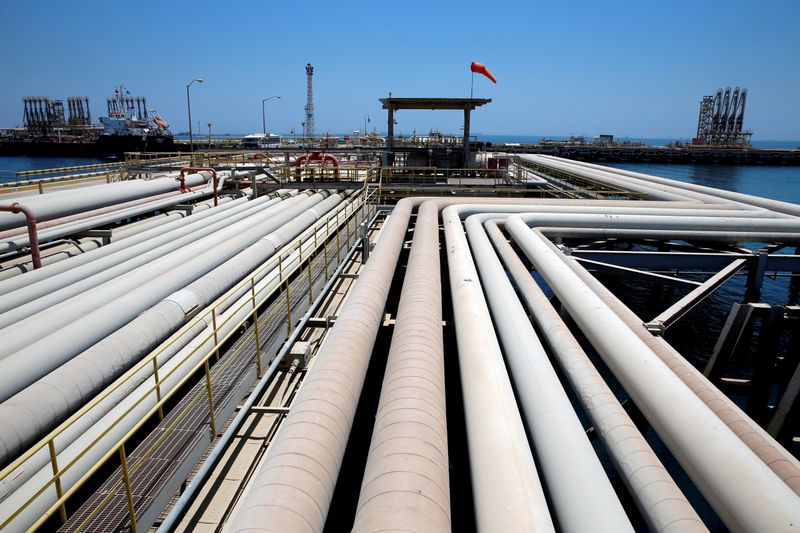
[(308, 127), (721, 119)]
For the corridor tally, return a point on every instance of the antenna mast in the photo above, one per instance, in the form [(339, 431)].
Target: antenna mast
[(308, 128)]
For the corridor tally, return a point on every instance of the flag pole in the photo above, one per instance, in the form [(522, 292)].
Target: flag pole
[(471, 83)]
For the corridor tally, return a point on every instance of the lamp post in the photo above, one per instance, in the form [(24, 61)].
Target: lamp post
[(189, 106), (263, 114)]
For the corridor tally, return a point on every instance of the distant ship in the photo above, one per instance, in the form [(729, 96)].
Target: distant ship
[(129, 127)]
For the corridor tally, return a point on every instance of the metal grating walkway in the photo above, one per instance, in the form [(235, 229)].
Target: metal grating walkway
[(162, 457)]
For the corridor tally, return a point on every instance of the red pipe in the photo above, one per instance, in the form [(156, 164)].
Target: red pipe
[(33, 236), (316, 156), (182, 179)]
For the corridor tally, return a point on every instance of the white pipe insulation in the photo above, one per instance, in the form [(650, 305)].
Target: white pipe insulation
[(406, 479), (295, 482), (499, 458), (27, 301), (75, 440), (765, 203), (749, 497), (68, 202), (582, 496), (100, 311), (783, 463), (82, 377), (49, 271), (659, 499)]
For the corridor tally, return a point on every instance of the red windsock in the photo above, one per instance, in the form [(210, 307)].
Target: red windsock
[(480, 68)]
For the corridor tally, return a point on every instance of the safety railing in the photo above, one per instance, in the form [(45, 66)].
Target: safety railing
[(45, 184), (577, 186), (158, 379)]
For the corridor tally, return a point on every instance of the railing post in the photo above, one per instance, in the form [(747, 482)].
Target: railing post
[(210, 400), (158, 389), (310, 288), (338, 245), (214, 325), (288, 305), (126, 480), (325, 247), (255, 325), (62, 510)]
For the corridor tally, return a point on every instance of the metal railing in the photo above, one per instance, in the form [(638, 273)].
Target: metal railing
[(336, 231)]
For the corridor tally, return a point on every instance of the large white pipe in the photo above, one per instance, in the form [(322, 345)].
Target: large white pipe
[(54, 252), (508, 495), (81, 377), (346, 355), (749, 497), (660, 501), (406, 479), (783, 463), (48, 271), (765, 203), (67, 202), (97, 316), (349, 356), (605, 175), (579, 489), (107, 425), (27, 301), (295, 482)]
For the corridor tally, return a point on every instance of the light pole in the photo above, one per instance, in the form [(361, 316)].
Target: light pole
[(189, 106), (263, 114)]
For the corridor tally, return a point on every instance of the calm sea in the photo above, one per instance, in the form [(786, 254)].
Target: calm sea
[(9, 165)]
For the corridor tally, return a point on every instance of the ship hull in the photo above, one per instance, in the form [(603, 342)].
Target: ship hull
[(103, 146)]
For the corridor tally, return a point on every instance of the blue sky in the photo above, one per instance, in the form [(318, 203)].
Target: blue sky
[(636, 69)]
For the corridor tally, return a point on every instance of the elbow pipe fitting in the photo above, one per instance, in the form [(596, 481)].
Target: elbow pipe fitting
[(33, 235), (182, 179)]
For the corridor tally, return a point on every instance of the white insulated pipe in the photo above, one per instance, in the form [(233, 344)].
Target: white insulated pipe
[(604, 175), (33, 411), (581, 494), (406, 479), (295, 482), (68, 202), (27, 301), (98, 315), (136, 394), (508, 495), (40, 309), (749, 497), (49, 271), (660, 501), (353, 346), (764, 203), (780, 461), (54, 251)]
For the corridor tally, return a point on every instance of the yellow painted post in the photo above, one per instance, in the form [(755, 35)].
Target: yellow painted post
[(158, 389), (310, 289), (325, 247), (126, 480), (255, 325), (338, 246), (288, 305), (62, 510), (214, 325), (210, 400)]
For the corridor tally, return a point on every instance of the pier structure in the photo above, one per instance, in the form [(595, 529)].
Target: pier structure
[(239, 347)]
